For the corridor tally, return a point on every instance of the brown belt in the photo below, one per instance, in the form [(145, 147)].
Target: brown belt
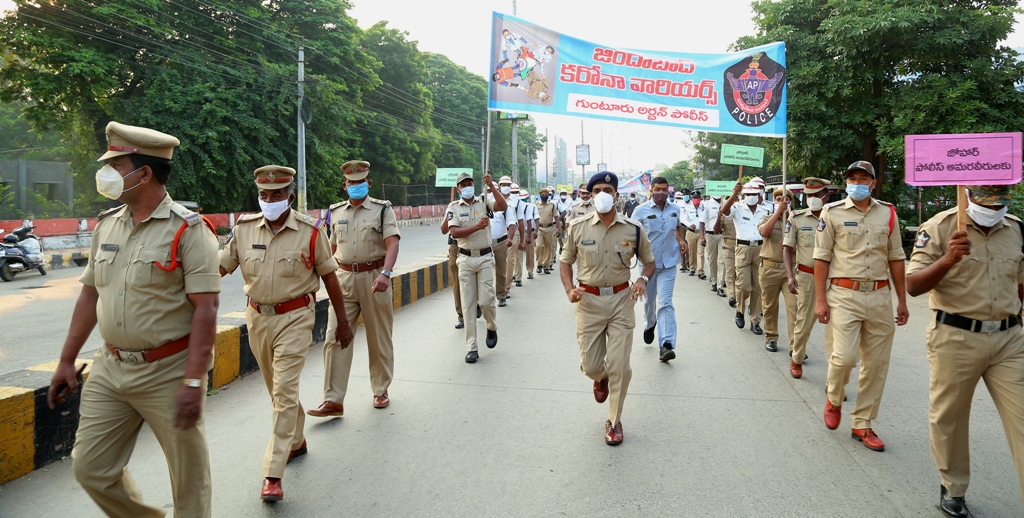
[(605, 290), (851, 284), (282, 308), (151, 355), (805, 269), (771, 264), (362, 267)]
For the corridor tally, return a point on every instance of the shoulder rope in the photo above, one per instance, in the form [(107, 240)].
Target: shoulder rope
[(177, 240)]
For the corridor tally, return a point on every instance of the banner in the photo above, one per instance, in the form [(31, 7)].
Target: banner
[(640, 183), (742, 155), (446, 176), (583, 154), (967, 159), (537, 70), (719, 188)]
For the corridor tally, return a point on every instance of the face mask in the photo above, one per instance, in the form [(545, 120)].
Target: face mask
[(468, 191), (815, 203), (563, 197), (603, 202), (686, 198), (505, 189), (751, 199), (544, 197), (985, 216), (272, 211), (858, 192), (696, 202), (359, 190), (659, 197), (110, 183)]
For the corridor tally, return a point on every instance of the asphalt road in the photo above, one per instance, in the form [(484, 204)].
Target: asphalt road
[(721, 431), (36, 310)]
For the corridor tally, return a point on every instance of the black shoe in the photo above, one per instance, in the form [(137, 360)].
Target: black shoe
[(701, 276), (649, 336), (530, 276), (460, 325), (721, 292), (684, 268), (714, 288), (539, 269), (472, 357), (952, 506), (770, 346), (492, 339), (756, 329), (692, 273), (739, 320), (479, 312), (501, 303), (732, 302), (547, 272), (519, 284), (791, 355), (667, 353), (508, 294)]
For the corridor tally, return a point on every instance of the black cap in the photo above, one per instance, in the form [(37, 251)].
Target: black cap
[(603, 177), (695, 194)]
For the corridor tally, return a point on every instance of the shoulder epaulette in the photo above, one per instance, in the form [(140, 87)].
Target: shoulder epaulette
[(190, 217), (883, 202), (250, 217), (833, 204), (1011, 216), (305, 219), (379, 202), (109, 212), (336, 205)]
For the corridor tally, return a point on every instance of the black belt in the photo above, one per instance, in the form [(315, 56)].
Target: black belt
[(749, 243), (500, 239), (546, 226), (481, 252), (712, 233), (976, 326)]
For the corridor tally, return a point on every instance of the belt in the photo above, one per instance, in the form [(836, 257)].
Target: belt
[(546, 226), (750, 243), (475, 253), (362, 267), (843, 282), (501, 239), (712, 233), (805, 269), (282, 308), (151, 355), (604, 290), (771, 264), (976, 326), (728, 239)]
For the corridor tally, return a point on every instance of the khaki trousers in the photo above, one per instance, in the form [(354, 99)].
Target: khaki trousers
[(958, 359), (116, 400), (604, 329), (280, 344), (862, 330), (805, 318), (500, 251), (729, 256), (513, 254), (774, 283), (378, 312), (453, 276), (696, 253), (547, 247), (714, 242), (476, 275), (526, 258), (748, 289)]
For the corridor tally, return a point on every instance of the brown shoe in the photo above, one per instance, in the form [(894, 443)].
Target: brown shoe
[(328, 409), (868, 437), (601, 390), (796, 369), (297, 452), (833, 415), (613, 434), (381, 401), (271, 491)]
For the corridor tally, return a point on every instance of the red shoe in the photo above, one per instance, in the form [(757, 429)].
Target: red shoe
[(613, 434), (601, 390), (327, 409), (272, 491), (833, 415), (298, 452), (795, 369), (868, 437), (381, 401)]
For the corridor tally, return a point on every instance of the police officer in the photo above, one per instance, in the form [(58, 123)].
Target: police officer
[(564, 203), (772, 273), (748, 252), (453, 272), (584, 206), (856, 249), (548, 221), (283, 255), (503, 225), (711, 240), (364, 238), (528, 250), (975, 278), (691, 216), (517, 240), (798, 255), (682, 198), (605, 243), (154, 297), (469, 222)]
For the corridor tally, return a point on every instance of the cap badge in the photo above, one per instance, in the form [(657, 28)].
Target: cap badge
[(270, 176), (607, 177)]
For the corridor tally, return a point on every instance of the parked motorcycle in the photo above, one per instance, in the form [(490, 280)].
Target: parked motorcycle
[(21, 251)]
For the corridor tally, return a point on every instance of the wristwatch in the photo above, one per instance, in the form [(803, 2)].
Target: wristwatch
[(386, 273), (192, 382), (646, 279)]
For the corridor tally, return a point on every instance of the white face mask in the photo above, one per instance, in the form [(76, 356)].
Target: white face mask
[(505, 189), (110, 183), (985, 216), (468, 191), (815, 203), (750, 199), (563, 197), (603, 202), (272, 211)]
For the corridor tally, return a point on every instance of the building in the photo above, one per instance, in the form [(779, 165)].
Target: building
[(27, 181)]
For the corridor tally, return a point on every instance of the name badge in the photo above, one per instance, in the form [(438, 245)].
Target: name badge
[(850, 223), (745, 218), (343, 222), (259, 247), (588, 242), (675, 215), (109, 247), (652, 216), (464, 215), (806, 228)]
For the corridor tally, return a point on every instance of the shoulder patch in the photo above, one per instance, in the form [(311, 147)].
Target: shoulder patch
[(922, 239), (109, 212), (821, 225), (789, 226), (189, 216)]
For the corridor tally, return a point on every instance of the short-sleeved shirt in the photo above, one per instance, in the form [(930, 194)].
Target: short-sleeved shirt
[(983, 285), (462, 213), (799, 235), (359, 232), (499, 221), (710, 214), (728, 228), (547, 212), (605, 253), (581, 209), (746, 220), (531, 212), (772, 247), (690, 216), (563, 206), (277, 267), (141, 306), (858, 244), (660, 226), (518, 207)]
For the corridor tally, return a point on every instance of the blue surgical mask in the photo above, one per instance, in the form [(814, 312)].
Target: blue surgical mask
[(858, 192), (468, 191), (686, 198), (359, 190)]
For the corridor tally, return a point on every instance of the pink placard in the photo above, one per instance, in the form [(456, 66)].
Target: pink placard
[(966, 159)]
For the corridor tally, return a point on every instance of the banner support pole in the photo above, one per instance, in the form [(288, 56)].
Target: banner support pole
[(487, 150), (961, 208), (785, 186)]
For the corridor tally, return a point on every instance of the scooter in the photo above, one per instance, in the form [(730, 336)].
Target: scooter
[(20, 251)]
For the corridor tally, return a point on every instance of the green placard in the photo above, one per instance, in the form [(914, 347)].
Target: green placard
[(742, 155), (718, 188), (446, 175)]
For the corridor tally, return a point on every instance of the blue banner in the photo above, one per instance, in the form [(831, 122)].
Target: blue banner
[(535, 70)]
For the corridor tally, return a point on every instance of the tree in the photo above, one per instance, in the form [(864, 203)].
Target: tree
[(460, 105), (708, 146)]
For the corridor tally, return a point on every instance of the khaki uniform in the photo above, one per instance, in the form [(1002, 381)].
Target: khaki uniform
[(476, 270), (800, 235), (358, 235), (526, 255), (774, 281), (858, 245), (691, 215), (517, 208), (604, 323), (276, 269), (453, 275), (712, 241), (747, 259), (729, 255), (581, 209), (142, 307), (983, 286), (547, 212)]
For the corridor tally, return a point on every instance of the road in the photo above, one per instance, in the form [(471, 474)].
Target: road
[(721, 431), (36, 310)]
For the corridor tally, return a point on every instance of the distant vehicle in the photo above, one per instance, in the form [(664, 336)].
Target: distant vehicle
[(20, 251)]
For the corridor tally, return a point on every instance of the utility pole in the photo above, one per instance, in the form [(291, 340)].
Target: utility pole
[(547, 144), (483, 147), (301, 162), (583, 171)]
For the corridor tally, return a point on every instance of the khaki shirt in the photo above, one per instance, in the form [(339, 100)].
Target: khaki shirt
[(466, 214), (581, 209), (276, 266), (983, 285), (800, 236), (140, 306), (359, 232), (605, 254), (546, 213), (772, 247), (858, 244), (728, 228)]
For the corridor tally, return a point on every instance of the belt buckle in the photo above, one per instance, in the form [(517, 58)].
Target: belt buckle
[(130, 357), (604, 291), (268, 309), (990, 327)]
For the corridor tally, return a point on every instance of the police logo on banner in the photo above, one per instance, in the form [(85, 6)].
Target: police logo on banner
[(753, 89)]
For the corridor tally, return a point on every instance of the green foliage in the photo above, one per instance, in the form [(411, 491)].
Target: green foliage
[(679, 175)]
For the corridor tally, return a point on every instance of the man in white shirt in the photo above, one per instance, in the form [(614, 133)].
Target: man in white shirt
[(511, 193), (690, 217), (746, 216), (677, 198), (503, 224), (562, 204), (709, 239)]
